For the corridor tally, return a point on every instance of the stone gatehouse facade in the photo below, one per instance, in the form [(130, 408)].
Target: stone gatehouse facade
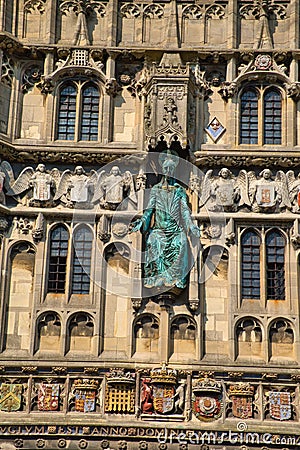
[(92, 95)]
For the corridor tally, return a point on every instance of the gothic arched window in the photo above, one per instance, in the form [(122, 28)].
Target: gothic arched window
[(82, 254), (78, 112), (261, 116), (59, 241), (263, 265)]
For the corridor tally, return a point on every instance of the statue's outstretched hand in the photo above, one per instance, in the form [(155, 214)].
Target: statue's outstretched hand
[(135, 226)]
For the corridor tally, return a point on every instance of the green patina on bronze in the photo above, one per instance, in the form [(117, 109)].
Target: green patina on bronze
[(167, 256)]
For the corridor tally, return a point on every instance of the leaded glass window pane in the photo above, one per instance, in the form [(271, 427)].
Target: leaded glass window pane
[(82, 253), (272, 117), (249, 118), (251, 265), (89, 114), (59, 239), (67, 113), (275, 246)]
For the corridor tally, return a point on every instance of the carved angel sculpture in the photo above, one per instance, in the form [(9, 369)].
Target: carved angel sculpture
[(39, 181), (267, 194), (294, 190), (6, 174), (113, 188), (225, 192), (76, 187)]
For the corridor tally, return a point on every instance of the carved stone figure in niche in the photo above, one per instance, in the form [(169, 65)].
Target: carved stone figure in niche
[(113, 188), (166, 243), (77, 187), (38, 181), (225, 193), (179, 398), (267, 194)]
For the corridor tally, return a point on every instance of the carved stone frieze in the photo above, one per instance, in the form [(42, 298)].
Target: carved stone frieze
[(86, 157), (130, 10), (246, 161), (31, 5), (82, 6), (261, 8)]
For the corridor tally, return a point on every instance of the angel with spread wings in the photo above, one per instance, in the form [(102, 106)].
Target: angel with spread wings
[(267, 194), (113, 188), (293, 184), (76, 187), (39, 181), (225, 192)]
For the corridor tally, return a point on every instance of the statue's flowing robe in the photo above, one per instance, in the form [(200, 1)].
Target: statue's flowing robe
[(167, 259)]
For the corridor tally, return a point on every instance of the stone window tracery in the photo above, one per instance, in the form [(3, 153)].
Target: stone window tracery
[(261, 116), (77, 279), (78, 112)]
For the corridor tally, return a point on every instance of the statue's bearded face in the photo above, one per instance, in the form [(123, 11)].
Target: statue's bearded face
[(168, 168)]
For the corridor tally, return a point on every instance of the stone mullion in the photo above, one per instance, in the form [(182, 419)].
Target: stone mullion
[(51, 11), (4, 289), (112, 23), (233, 294), (14, 123), (232, 15), (21, 19), (164, 333), (263, 269), (289, 123), (231, 107), (40, 273), (2, 15), (294, 24), (108, 104)]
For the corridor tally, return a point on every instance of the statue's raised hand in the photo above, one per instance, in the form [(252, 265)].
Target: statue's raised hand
[(135, 226)]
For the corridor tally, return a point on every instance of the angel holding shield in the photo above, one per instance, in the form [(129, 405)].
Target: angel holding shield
[(76, 188), (113, 188)]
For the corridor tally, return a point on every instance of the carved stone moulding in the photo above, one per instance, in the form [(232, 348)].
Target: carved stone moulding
[(56, 155), (204, 160)]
